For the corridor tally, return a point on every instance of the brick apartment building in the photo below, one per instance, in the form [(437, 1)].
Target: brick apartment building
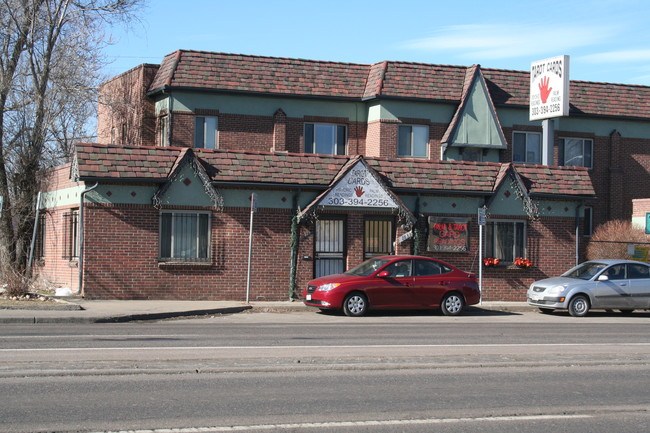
[(345, 161)]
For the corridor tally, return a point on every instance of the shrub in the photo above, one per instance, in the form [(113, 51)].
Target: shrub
[(610, 240)]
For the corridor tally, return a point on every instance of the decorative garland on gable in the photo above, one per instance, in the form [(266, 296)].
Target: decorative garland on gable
[(404, 214), (189, 158), (74, 170), (530, 207)]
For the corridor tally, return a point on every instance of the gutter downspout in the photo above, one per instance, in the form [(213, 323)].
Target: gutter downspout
[(34, 232), (81, 235), (577, 252)]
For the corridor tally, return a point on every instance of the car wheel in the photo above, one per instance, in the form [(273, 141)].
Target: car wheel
[(355, 305), (452, 304), (579, 306), (546, 310), (627, 311)]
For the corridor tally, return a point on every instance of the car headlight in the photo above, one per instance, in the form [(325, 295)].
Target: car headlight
[(327, 287), (556, 291)]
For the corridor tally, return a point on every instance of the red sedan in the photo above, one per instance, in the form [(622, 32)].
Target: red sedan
[(395, 282)]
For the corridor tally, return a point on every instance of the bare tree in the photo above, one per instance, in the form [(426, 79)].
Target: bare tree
[(50, 62)]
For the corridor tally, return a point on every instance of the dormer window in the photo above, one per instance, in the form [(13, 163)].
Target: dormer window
[(527, 147), (325, 138), (205, 132), (413, 141), (577, 152)]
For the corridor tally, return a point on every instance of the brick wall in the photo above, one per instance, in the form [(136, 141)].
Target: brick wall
[(59, 178), (54, 269), (121, 260), (125, 116), (550, 246), (126, 266)]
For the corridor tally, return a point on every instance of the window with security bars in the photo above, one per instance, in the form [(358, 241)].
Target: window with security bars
[(379, 234), (71, 235), (329, 246), (39, 241)]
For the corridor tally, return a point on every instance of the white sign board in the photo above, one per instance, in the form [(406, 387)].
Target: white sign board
[(358, 188), (549, 88)]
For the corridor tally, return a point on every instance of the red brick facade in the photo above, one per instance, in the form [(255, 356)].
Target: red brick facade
[(122, 240), (125, 115), (126, 264)]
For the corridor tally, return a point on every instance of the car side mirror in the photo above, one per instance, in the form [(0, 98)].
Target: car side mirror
[(383, 274), (603, 278)]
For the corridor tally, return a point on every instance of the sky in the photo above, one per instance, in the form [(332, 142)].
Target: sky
[(607, 41)]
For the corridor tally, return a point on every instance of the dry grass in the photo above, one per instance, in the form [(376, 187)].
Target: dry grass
[(610, 240)]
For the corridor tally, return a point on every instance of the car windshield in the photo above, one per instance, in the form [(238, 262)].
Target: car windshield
[(585, 271), (368, 267)]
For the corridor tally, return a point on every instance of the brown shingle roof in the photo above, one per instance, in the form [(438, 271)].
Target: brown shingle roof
[(312, 78), (542, 179), (115, 163), (242, 73)]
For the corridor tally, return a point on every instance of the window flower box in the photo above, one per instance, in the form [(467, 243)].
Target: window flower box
[(522, 262)]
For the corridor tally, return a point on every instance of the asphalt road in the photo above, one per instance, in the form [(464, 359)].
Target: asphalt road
[(312, 372)]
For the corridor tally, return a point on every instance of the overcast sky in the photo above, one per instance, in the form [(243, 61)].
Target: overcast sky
[(606, 40)]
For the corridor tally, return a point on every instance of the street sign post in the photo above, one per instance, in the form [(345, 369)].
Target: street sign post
[(250, 246)]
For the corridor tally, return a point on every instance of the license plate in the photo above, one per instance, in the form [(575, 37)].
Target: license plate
[(536, 297), (308, 297)]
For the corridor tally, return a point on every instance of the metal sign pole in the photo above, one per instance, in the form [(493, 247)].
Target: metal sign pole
[(480, 263), (250, 246)]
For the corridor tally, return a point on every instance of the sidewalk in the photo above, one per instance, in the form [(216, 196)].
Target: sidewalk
[(82, 311)]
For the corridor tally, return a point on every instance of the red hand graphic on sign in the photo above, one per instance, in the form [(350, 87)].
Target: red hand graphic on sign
[(544, 90), (359, 191)]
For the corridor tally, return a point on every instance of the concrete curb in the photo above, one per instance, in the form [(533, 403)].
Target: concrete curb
[(82, 315)]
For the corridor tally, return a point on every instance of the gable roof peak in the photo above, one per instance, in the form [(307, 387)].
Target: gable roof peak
[(187, 157)]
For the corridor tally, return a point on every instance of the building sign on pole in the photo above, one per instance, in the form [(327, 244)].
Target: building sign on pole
[(358, 188), (448, 234), (549, 88)]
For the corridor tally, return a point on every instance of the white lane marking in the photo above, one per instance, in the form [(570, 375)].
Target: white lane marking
[(368, 346), (341, 424)]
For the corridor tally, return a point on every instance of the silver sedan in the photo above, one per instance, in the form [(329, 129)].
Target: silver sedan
[(606, 284)]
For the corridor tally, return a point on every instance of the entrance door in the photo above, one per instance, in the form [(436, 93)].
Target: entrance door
[(330, 246)]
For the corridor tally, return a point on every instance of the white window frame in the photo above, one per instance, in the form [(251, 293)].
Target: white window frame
[(528, 144), (164, 131), (336, 147), (518, 246), (587, 150), (197, 257), (413, 137), (208, 126)]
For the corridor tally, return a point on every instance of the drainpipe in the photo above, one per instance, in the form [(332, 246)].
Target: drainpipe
[(81, 235), (35, 231), (581, 205)]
